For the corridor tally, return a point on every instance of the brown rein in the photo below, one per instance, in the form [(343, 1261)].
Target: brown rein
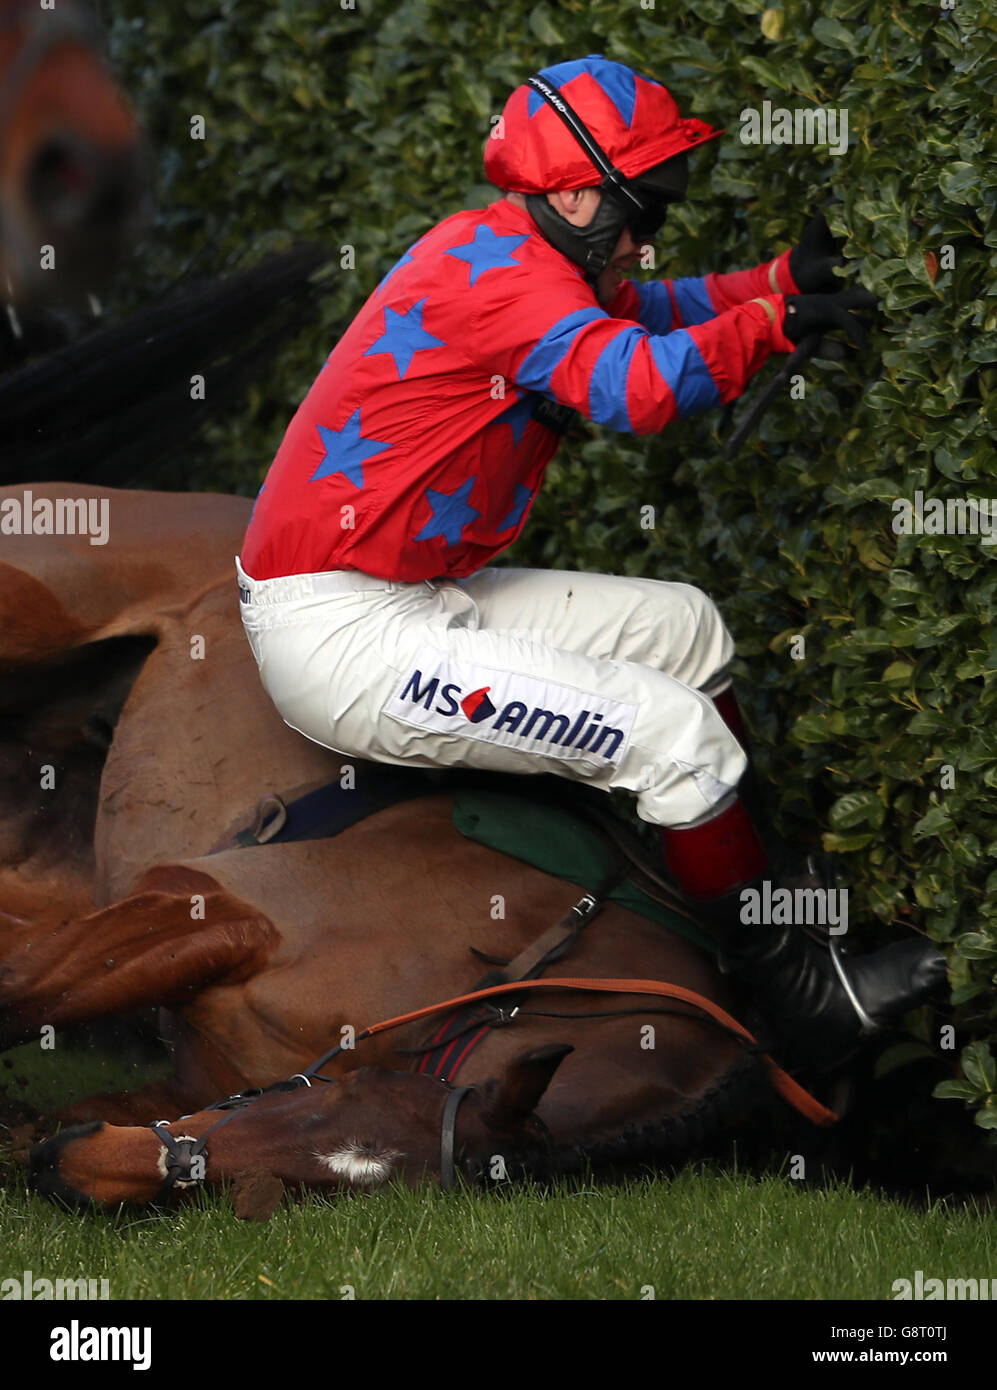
[(790, 1090)]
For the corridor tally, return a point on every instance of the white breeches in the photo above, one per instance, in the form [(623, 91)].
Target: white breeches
[(589, 676)]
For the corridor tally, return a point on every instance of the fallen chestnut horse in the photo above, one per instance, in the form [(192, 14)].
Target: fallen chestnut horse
[(135, 736), (375, 1124)]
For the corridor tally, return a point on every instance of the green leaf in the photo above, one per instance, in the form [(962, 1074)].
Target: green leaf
[(979, 1067), (902, 1054), (846, 844), (960, 182), (857, 808), (543, 26), (833, 34), (937, 820), (975, 946), (955, 1090), (962, 994), (770, 75)]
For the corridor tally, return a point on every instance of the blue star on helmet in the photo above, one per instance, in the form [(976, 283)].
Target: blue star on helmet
[(616, 81), (451, 513), (347, 450), (518, 415), (403, 337), (523, 495), (487, 251)]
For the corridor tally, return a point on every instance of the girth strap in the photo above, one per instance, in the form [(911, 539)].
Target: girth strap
[(552, 944)]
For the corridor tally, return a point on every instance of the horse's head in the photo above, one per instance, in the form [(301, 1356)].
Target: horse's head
[(357, 1132), (71, 175)]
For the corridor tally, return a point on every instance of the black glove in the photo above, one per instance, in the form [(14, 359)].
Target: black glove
[(807, 314), (812, 261)]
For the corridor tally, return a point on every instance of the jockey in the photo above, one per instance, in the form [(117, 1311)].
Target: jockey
[(379, 627)]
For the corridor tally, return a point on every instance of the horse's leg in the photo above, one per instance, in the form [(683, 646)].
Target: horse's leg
[(178, 933), (159, 1100), (164, 1099)]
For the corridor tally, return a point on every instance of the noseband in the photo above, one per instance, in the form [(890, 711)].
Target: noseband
[(187, 1157), (182, 1155)]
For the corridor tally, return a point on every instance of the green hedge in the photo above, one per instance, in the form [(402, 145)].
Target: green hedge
[(364, 126)]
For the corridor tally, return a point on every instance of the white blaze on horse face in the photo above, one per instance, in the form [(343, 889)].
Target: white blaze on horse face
[(360, 1164)]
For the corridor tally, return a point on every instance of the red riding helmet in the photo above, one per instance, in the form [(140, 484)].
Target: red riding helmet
[(594, 123), (635, 120)]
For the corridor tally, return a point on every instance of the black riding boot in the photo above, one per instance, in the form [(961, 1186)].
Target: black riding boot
[(819, 1003)]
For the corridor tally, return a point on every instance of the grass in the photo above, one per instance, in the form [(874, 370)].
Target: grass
[(703, 1233)]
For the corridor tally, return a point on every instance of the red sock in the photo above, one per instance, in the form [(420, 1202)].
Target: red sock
[(715, 856)]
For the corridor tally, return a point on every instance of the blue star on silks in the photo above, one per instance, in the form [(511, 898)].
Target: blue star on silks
[(451, 513), (402, 260), (403, 337), (255, 500), (405, 259), (487, 251), (518, 415), (523, 495), (347, 450)]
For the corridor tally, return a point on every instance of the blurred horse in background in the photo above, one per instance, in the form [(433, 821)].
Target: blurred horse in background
[(71, 163)]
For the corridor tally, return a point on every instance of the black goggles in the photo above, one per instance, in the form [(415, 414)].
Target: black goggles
[(645, 224)]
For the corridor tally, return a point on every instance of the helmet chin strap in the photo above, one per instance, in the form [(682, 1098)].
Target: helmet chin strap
[(591, 246)]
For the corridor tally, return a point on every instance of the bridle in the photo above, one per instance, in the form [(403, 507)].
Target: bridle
[(182, 1151)]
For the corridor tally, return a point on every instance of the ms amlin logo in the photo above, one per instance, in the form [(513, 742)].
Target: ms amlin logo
[(502, 707)]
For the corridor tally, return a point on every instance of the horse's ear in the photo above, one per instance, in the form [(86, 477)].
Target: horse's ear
[(523, 1082)]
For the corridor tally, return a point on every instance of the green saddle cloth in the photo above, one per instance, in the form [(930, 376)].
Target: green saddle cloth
[(560, 844)]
